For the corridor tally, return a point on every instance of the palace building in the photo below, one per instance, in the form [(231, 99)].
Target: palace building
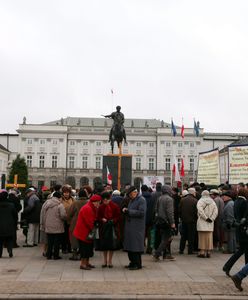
[(71, 150)]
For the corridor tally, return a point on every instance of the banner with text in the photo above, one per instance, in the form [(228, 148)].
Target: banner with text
[(238, 164), (209, 167)]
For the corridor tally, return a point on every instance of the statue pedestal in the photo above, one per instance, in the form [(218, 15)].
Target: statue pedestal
[(120, 166)]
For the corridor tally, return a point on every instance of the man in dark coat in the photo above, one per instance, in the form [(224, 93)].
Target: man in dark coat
[(165, 222), (8, 217), (32, 214), (134, 231), (188, 214), (149, 215), (14, 198)]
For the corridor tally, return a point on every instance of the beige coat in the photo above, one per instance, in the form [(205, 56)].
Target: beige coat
[(206, 208)]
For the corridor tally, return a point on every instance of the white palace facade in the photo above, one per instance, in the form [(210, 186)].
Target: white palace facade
[(71, 150)]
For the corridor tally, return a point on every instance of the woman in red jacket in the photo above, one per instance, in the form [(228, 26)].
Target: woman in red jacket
[(109, 219), (85, 223)]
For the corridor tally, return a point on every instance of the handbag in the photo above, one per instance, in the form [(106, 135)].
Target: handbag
[(93, 234), (161, 223)]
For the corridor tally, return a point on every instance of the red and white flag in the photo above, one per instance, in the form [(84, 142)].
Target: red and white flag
[(182, 131), (109, 176), (182, 173), (175, 171)]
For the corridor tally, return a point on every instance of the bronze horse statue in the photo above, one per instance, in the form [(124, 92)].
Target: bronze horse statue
[(117, 135)]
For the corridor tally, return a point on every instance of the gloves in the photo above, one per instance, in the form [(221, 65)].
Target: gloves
[(209, 220)]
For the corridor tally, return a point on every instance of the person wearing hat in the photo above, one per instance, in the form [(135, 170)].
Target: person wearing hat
[(32, 208), (73, 215), (134, 228), (86, 220), (188, 215), (218, 235), (207, 212), (227, 222), (8, 215), (67, 201)]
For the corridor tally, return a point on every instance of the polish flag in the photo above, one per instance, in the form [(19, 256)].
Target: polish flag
[(182, 173), (175, 171), (182, 131), (109, 176)]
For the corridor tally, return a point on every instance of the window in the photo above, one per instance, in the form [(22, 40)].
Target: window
[(42, 161), (191, 164), (167, 144), (54, 161), (85, 143), (138, 163), (151, 145), (53, 183), (98, 143), (180, 144), (98, 162), (179, 163), (29, 161), (29, 141), (192, 144), (151, 163), (72, 143), (42, 142), (71, 162), (138, 144), (55, 142), (167, 164), (85, 162)]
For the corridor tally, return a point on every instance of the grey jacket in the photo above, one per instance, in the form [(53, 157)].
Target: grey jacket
[(53, 215), (165, 208), (134, 231)]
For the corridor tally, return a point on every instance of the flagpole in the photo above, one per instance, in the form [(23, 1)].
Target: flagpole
[(112, 98)]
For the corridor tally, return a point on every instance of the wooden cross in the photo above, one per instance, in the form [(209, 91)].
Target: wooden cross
[(15, 184), (119, 155)]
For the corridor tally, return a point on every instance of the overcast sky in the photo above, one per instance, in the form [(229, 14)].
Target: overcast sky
[(163, 59)]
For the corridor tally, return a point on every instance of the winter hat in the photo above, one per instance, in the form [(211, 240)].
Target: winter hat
[(31, 189), (131, 189), (185, 193), (95, 198), (214, 192), (116, 193), (205, 193), (192, 191), (166, 189)]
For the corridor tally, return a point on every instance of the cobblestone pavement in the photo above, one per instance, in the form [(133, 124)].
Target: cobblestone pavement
[(28, 275)]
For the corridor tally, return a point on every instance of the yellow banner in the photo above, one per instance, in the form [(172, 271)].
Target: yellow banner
[(209, 168), (238, 164)]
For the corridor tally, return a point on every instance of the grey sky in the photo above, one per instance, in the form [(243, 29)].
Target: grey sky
[(163, 59)]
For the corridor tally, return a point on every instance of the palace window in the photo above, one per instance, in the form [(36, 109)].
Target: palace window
[(84, 162), (54, 161), (191, 164), (42, 161), (29, 161), (71, 162), (167, 164), (138, 163), (98, 162), (151, 163)]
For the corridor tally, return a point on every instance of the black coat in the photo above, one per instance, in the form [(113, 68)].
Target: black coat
[(149, 207), (8, 215), (32, 210)]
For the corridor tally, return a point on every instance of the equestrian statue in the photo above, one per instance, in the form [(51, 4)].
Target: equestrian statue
[(117, 132)]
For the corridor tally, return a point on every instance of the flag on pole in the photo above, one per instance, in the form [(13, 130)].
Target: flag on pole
[(109, 176), (196, 128), (182, 131), (173, 128), (176, 171), (182, 173)]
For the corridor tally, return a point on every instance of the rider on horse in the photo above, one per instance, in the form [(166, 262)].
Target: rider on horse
[(118, 118)]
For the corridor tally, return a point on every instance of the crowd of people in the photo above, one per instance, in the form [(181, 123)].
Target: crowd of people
[(137, 221)]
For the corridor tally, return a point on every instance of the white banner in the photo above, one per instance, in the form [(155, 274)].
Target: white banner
[(238, 164), (209, 167), (151, 181)]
